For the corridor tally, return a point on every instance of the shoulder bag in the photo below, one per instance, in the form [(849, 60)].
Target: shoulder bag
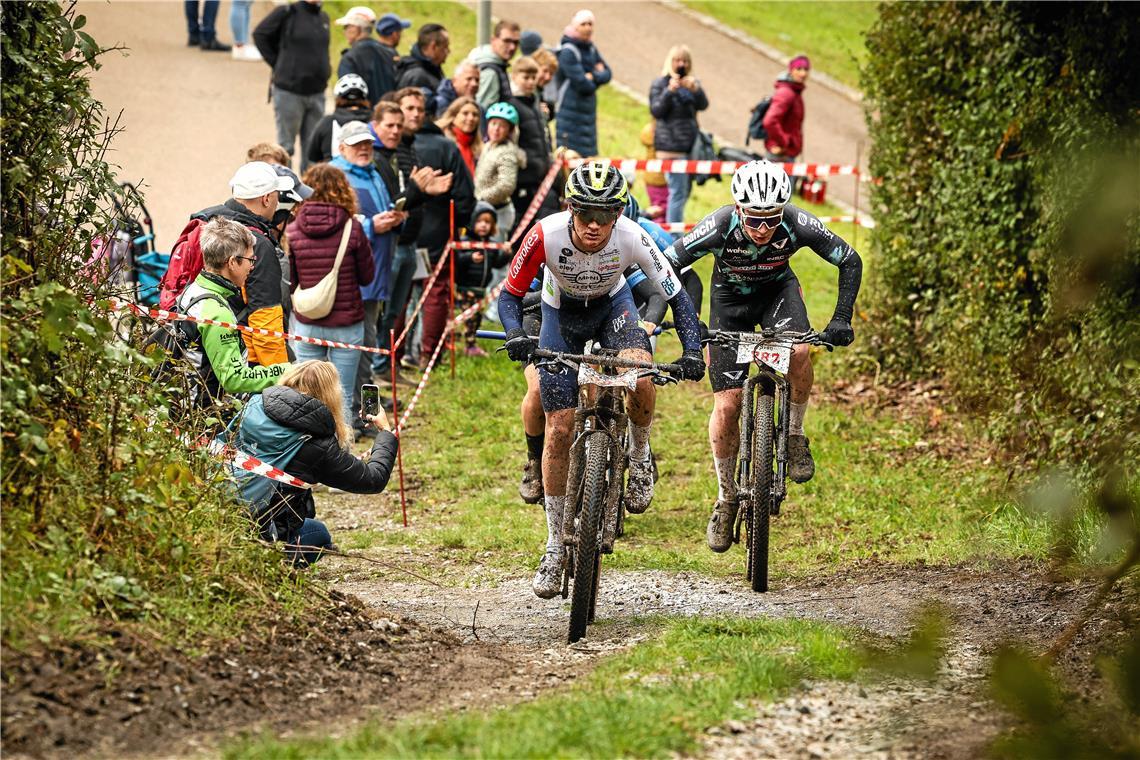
[(316, 302)]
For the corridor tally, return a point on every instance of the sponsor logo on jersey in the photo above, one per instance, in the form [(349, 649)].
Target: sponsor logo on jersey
[(657, 266), (781, 324), (618, 323), (644, 240), (735, 374), (780, 245), (587, 278), (567, 252), (700, 231), (668, 286)]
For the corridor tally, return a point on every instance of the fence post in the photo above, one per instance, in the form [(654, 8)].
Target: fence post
[(396, 417), (451, 289)]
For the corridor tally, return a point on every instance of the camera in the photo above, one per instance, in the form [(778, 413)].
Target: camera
[(682, 71)]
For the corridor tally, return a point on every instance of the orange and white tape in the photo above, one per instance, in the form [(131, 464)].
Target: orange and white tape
[(686, 166)]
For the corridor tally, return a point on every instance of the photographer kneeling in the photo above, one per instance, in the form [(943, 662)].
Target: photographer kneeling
[(298, 426)]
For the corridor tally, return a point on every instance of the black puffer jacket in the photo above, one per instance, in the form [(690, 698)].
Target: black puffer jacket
[(319, 141), (415, 70), (534, 139), (321, 459), (437, 151), (676, 114), (395, 166), (294, 40)]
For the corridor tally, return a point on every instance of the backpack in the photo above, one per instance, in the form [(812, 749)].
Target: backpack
[(197, 385), (185, 262), (756, 129)]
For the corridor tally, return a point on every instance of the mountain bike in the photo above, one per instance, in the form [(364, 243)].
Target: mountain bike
[(761, 474), (595, 483)]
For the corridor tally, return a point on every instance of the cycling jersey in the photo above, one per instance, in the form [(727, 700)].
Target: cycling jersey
[(741, 266), (580, 276)]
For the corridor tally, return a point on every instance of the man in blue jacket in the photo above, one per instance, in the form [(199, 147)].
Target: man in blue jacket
[(381, 223)]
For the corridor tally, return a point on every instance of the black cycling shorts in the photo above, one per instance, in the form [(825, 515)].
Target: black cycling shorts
[(611, 321), (777, 305)]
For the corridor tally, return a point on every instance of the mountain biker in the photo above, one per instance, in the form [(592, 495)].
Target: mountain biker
[(585, 297), (752, 283)]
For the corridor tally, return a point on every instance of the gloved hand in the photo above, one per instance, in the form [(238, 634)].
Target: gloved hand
[(519, 345), (692, 364), (838, 333)]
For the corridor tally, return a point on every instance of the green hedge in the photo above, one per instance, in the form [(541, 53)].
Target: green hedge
[(1007, 250)]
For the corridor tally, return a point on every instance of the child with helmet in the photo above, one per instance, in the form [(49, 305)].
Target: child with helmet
[(497, 172)]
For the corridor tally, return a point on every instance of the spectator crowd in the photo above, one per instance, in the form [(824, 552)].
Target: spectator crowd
[(341, 249)]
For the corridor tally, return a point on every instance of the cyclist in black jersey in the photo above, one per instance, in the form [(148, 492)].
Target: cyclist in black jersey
[(752, 284)]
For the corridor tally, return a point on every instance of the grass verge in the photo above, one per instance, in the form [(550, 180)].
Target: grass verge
[(830, 33), (652, 701)]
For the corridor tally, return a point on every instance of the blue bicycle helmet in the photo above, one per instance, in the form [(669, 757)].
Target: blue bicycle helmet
[(504, 111)]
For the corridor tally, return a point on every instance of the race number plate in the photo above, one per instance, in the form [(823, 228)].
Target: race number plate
[(778, 356), (587, 375)]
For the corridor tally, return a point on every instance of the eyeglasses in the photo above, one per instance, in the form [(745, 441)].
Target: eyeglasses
[(770, 222), (510, 40), (252, 260), (602, 216)]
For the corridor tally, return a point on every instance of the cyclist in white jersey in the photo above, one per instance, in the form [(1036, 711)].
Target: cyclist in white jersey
[(585, 297)]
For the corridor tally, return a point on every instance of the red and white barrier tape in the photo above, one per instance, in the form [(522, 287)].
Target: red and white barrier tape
[(473, 245), (174, 316), (410, 321), (253, 464), (862, 221), (536, 202), (685, 166), (424, 379)]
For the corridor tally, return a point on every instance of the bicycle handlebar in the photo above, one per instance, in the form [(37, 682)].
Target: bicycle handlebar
[(808, 337), (610, 361)]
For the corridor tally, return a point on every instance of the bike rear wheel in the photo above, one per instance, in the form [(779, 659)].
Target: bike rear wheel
[(587, 554), (763, 456)]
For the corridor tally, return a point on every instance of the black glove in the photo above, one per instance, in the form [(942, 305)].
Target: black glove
[(519, 345), (692, 364), (838, 333)]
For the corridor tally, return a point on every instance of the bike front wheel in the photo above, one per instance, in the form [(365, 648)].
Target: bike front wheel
[(763, 456), (587, 554)]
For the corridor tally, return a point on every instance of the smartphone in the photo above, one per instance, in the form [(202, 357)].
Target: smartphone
[(399, 204), (369, 400), (682, 71)]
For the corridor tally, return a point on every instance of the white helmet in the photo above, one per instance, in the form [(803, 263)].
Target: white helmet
[(348, 83), (761, 187)]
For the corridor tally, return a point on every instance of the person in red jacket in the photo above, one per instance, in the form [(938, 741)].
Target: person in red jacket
[(785, 117), (314, 239)]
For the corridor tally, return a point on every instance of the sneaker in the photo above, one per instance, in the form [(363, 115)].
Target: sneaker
[(474, 351), (721, 524), (247, 52), (214, 45), (193, 41), (530, 489), (639, 486), (408, 363), (801, 467), (548, 580)]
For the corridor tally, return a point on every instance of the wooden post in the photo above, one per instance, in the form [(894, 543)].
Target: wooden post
[(396, 417), (451, 288)]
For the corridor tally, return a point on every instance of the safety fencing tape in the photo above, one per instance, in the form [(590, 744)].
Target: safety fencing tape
[(861, 221), (174, 316), (253, 464), (536, 202), (424, 378), (410, 321), (474, 245), (685, 166)]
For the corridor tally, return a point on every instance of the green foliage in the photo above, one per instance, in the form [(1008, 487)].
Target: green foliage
[(653, 701), (107, 517), (1007, 247)]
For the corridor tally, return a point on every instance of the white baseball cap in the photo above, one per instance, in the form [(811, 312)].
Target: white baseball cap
[(354, 132), (358, 16), (256, 179)]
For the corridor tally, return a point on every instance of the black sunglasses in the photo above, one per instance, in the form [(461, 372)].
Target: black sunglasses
[(602, 216)]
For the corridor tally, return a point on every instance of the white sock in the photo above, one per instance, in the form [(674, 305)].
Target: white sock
[(726, 478), (555, 506), (796, 418), (639, 441)]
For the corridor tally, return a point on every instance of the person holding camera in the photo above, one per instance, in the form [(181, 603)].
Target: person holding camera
[(674, 100)]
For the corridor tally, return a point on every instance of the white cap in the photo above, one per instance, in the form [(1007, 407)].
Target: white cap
[(354, 132), (358, 16), (256, 179)]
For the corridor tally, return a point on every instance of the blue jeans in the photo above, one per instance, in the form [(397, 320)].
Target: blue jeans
[(296, 115), (204, 29), (679, 186), (239, 20), (344, 359), (313, 533), (399, 288), (364, 359)]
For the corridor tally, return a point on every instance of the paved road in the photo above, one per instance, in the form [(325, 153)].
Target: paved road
[(634, 38), (189, 116)]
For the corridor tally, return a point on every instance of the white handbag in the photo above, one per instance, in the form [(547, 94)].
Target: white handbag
[(316, 302)]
